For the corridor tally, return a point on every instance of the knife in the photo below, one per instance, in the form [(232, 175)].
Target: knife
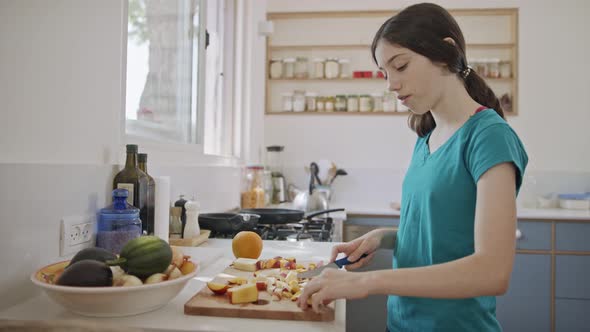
[(337, 264)]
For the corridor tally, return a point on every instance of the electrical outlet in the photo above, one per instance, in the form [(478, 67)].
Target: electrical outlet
[(77, 233)]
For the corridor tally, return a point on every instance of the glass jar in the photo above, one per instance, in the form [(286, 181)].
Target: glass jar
[(118, 223), (352, 103), (340, 104), (318, 68), (389, 101), (505, 69), (287, 101), (331, 68), (276, 68), (253, 195), (344, 68), (301, 70), (321, 104), (311, 101), (365, 103), (484, 67), (289, 67), (330, 104), (494, 70), (175, 225), (377, 101), (298, 101)]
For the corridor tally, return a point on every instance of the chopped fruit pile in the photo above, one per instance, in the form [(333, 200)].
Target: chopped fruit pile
[(277, 276)]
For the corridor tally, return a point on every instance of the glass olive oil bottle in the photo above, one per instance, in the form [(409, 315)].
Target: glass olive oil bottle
[(151, 201), (136, 183)]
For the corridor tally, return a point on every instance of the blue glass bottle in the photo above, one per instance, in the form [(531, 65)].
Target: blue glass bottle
[(118, 223)]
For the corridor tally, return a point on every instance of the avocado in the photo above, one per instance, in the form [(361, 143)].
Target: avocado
[(86, 273), (94, 253)]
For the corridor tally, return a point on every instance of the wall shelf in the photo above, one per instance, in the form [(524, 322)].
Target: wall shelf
[(337, 113)]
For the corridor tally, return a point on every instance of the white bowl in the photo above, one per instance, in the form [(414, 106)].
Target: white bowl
[(110, 301)]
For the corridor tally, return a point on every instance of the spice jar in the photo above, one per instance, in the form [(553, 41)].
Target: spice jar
[(377, 101), (318, 68), (252, 195), (389, 101), (287, 101), (276, 68), (505, 69), (494, 68), (298, 101), (340, 104), (301, 70), (330, 104), (311, 101), (352, 103), (118, 223), (344, 68), (331, 68), (365, 103), (321, 104), (289, 67), (175, 226)]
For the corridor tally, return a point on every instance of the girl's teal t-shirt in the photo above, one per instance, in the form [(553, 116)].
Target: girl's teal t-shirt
[(437, 219)]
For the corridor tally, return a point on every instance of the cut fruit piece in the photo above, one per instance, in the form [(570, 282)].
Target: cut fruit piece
[(245, 264), (238, 280), (243, 294), (291, 276), (217, 288), (261, 285)]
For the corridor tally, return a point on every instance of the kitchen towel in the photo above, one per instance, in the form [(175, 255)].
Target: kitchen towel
[(162, 207)]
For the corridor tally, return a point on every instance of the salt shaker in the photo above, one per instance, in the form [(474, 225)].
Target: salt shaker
[(191, 228)]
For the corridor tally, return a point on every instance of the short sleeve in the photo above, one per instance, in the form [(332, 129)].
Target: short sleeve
[(494, 145)]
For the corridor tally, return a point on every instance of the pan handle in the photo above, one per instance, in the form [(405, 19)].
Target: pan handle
[(317, 213)]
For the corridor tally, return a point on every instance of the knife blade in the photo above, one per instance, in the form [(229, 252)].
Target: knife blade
[(337, 264)]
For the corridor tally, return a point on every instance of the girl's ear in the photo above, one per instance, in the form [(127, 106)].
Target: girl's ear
[(450, 41)]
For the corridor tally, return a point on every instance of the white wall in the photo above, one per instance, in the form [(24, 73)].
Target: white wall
[(553, 120), (60, 131)]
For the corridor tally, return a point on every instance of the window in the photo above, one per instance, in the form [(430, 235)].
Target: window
[(178, 72)]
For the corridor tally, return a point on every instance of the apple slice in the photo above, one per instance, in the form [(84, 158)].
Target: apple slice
[(218, 288), (243, 294), (245, 264)]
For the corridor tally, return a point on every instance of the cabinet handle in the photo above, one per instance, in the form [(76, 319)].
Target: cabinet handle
[(518, 234)]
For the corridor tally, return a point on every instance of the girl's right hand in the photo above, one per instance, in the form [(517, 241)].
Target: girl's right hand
[(366, 244)]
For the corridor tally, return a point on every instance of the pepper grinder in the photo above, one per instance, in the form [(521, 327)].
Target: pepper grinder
[(191, 228)]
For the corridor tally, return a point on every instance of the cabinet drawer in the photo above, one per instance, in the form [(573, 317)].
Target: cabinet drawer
[(572, 236), (536, 235), (571, 276), (572, 315)]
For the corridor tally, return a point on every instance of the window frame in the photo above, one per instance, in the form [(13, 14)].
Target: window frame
[(170, 153)]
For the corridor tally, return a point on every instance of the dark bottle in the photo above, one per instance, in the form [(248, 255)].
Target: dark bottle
[(136, 183), (151, 198), (180, 203)]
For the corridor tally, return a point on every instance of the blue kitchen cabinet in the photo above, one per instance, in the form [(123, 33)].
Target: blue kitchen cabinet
[(526, 307), (572, 315)]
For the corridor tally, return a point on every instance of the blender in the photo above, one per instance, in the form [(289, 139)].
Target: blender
[(274, 163)]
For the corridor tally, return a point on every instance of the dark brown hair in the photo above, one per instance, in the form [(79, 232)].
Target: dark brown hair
[(422, 28)]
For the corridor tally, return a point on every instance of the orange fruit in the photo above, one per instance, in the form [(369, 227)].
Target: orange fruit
[(247, 244)]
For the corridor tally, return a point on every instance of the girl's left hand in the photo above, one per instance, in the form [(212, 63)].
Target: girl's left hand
[(331, 285)]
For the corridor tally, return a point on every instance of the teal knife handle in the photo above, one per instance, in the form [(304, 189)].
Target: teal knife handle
[(344, 261)]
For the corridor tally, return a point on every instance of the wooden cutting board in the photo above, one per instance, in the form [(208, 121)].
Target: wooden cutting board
[(206, 303)]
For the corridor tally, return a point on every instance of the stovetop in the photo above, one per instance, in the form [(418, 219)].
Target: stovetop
[(318, 229)]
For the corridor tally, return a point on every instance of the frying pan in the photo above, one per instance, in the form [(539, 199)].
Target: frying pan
[(227, 223), (284, 216)]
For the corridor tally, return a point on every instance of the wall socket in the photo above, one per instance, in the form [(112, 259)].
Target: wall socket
[(76, 233)]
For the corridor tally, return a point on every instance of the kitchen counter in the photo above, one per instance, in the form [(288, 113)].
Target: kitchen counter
[(213, 257), (522, 213)]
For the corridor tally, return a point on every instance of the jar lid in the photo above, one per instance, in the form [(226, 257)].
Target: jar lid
[(365, 96), (340, 96), (377, 94), (289, 60), (287, 94), (353, 96), (343, 61), (332, 59), (311, 94), (318, 60), (276, 59), (301, 58)]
